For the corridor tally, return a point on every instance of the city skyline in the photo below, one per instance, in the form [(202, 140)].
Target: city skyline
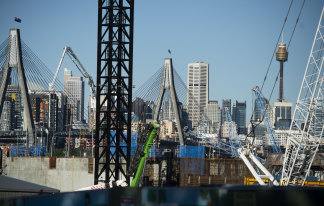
[(217, 33)]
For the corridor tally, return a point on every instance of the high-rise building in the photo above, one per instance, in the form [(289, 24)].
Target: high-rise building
[(213, 113), (239, 116), (226, 126), (53, 112), (40, 108), (257, 116), (138, 107), (74, 89), (198, 90), (280, 114), (226, 105)]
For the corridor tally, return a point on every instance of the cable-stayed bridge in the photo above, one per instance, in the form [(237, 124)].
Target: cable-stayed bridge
[(30, 110)]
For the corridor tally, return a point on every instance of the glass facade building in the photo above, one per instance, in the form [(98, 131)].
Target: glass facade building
[(239, 116)]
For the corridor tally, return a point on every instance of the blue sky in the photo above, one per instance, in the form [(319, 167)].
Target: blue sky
[(236, 38)]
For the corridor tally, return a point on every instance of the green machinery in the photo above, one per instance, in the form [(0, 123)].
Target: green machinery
[(144, 154)]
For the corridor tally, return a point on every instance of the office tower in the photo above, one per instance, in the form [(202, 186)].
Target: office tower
[(239, 116), (74, 89), (40, 108), (226, 105), (138, 107), (281, 114), (198, 90), (213, 113), (257, 116), (149, 109), (53, 112), (61, 111), (225, 130)]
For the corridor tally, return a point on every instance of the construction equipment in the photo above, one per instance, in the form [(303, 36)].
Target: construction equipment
[(67, 50), (246, 150), (138, 162), (264, 113), (232, 132), (142, 154), (74, 58), (302, 146)]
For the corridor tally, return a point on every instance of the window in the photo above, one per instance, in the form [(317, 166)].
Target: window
[(283, 112)]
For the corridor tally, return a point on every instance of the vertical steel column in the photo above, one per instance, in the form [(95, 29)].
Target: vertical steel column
[(114, 89)]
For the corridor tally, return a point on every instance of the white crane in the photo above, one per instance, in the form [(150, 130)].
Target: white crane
[(302, 147), (80, 67), (246, 150), (67, 50)]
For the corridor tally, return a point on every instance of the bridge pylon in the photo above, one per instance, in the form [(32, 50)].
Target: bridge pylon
[(14, 60), (168, 83)]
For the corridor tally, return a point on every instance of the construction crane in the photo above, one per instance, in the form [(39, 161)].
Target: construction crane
[(212, 142), (67, 50), (264, 113), (232, 132), (247, 150), (306, 129), (76, 61)]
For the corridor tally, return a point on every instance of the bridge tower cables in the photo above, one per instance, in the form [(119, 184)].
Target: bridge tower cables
[(14, 60), (168, 83)]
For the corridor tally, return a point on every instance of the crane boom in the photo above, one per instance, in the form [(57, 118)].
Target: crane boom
[(76, 61), (275, 145), (306, 129), (51, 85), (78, 64), (232, 133)]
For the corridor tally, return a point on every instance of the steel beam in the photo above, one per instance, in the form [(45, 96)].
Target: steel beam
[(302, 145), (114, 90)]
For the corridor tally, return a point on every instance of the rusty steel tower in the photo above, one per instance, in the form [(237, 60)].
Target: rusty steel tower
[(281, 56), (114, 90)]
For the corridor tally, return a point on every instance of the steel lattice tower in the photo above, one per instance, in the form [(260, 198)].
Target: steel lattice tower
[(114, 89), (302, 144)]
